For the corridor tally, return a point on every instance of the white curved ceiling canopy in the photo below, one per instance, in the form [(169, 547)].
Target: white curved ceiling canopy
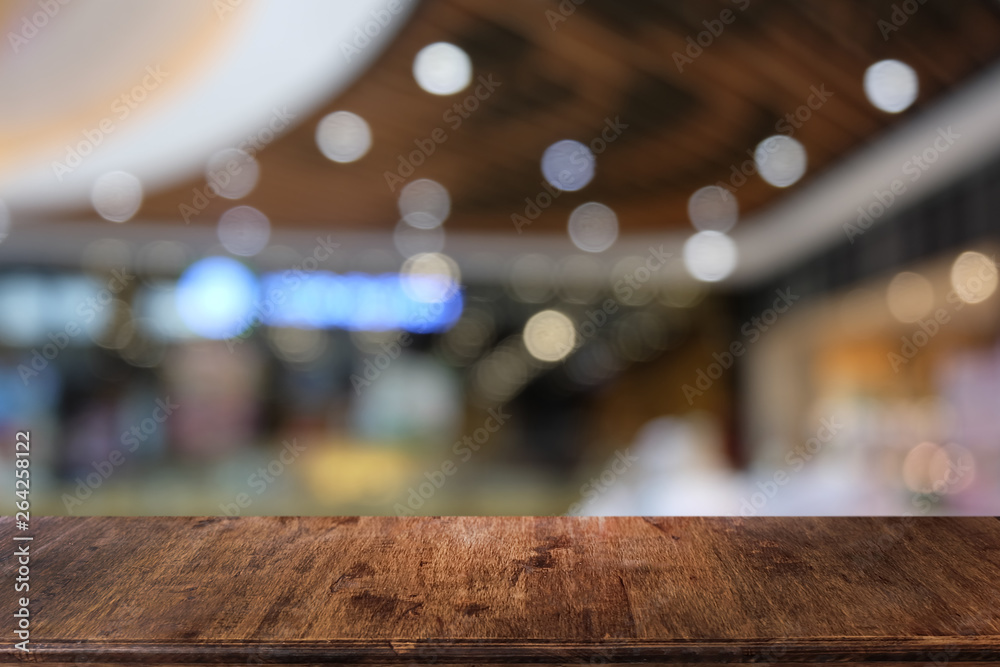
[(155, 88)]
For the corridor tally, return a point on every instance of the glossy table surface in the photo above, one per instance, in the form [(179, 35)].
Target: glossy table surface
[(479, 590)]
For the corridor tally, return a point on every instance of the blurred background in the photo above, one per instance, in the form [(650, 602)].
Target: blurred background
[(729, 257)]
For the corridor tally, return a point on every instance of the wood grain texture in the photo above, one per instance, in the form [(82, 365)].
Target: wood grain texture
[(509, 590)]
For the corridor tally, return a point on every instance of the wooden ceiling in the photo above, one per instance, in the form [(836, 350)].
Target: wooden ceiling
[(612, 60)]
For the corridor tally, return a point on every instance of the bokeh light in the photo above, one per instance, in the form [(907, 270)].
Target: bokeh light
[(549, 336), (568, 165), (117, 196), (891, 85), (216, 297), (909, 296), (713, 209), (973, 277), (430, 277), (710, 256), (424, 203), (930, 468), (781, 160), (593, 227), (361, 302), (442, 69), (343, 136), (244, 231), (233, 173)]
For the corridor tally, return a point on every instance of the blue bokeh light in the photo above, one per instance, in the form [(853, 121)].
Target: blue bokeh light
[(220, 298), (216, 297), (354, 301)]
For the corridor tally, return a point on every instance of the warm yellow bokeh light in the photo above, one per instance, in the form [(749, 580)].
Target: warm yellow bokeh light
[(974, 277), (549, 336)]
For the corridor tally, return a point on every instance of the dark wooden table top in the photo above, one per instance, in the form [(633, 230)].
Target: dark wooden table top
[(508, 590)]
